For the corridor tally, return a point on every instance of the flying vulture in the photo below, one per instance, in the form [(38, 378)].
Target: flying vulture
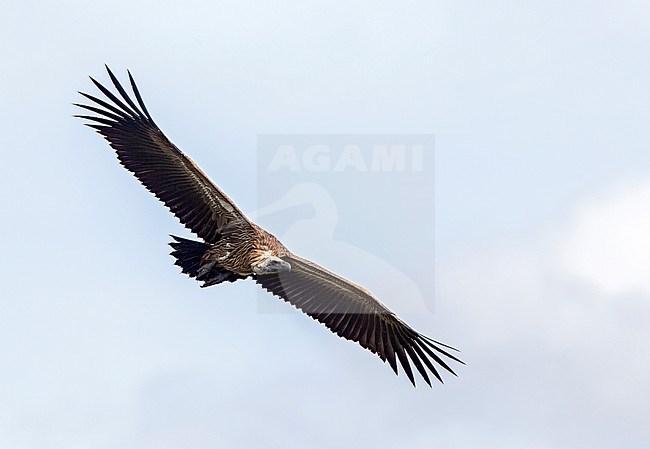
[(234, 248)]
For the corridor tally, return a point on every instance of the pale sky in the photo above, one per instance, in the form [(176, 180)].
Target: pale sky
[(540, 113)]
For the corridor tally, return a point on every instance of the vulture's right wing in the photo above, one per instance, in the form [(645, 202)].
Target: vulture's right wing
[(158, 164), (353, 313)]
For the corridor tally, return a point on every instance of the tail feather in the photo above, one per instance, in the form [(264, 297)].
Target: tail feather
[(189, 254)]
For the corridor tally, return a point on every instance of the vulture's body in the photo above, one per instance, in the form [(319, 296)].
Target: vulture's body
[(235, 248)]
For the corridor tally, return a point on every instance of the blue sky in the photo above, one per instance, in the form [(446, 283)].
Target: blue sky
[(542, 217)]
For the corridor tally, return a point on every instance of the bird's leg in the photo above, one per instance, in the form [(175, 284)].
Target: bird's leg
[(205, 269), (216, 278)]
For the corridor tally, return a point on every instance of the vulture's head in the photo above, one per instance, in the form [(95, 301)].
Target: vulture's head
[(271, 265)]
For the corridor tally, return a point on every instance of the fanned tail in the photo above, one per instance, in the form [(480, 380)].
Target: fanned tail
[(189, 255)]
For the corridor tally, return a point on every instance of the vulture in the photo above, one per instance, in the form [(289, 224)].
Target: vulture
[(232, 247)]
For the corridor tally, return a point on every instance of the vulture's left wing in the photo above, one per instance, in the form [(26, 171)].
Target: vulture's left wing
[(353, 313)]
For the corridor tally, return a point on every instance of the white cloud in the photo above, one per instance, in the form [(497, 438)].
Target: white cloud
[(573, 349), (608, 244)]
